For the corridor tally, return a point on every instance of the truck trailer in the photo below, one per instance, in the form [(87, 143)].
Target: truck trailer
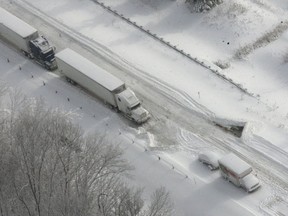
[(238, 172), (26, 39), (113, 91)]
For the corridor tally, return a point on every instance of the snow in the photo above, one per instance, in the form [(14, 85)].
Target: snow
[(130, 97), (251, 182), (89, 69), (210, 157), (198, 83), (15, 24), (235, 164), (178, 92)]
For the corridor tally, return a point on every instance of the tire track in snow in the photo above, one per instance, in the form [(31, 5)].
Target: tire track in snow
[(204, 63), (260, 143), (94, 47), (269, 171), (179, 97)]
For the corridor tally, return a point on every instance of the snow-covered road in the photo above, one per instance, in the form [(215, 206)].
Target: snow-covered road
[(189, 183), (180, 122)]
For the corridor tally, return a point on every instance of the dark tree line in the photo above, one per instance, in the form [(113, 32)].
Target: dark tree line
[(194, 5), (203, 5)]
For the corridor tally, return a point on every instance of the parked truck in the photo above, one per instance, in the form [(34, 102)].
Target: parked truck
[(238, 172), (27, 39), (79, 70)]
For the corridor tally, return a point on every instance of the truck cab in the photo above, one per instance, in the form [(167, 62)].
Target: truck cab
[(249, 183), (43, 52), (129, 104)]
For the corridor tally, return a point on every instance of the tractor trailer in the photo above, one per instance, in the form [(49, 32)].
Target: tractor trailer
[(113, 91), (238, 172), (27, 39)]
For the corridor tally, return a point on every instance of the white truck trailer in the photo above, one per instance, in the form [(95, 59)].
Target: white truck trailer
[(102, 84), (238, 172), (27, 39)]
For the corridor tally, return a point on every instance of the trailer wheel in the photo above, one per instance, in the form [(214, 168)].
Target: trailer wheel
[(68, 79), (72, 82), (24, 53), (30, 56)]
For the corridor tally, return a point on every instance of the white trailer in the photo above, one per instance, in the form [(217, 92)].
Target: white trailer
[(238, 172), (26, 38), (102, 84)]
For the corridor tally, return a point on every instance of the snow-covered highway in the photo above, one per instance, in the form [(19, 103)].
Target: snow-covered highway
[(180, 121)]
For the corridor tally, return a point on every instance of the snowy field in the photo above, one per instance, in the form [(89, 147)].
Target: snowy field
[(182, 96), (190, 183)]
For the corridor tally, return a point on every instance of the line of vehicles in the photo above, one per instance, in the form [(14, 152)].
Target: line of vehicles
[(26, 39), (232, 169), (76, 68), (113, 91)]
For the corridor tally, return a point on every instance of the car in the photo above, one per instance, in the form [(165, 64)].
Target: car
[(210, 159)]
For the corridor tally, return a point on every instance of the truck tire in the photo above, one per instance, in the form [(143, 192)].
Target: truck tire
[(30, 56), (68, 79), (24, 53), (71, 81), (246, 189)]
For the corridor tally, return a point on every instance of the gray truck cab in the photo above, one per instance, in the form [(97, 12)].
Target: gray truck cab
[(129, 104)]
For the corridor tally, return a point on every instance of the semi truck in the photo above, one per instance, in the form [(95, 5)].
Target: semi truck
[(238, 172), (79, 70), (26, 39)]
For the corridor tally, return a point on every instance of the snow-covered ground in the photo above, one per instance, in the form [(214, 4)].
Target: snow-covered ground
[(192, 186), (161, 76)]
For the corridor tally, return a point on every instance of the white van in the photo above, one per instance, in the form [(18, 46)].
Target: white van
[(238, 172)]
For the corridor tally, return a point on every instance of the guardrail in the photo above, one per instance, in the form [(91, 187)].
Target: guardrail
[(210, 66)]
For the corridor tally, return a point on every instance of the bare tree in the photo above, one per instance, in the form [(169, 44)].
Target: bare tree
[(121, 201), (100, 167), (161, 204), (48, 167), (35, 136), (8, 163)]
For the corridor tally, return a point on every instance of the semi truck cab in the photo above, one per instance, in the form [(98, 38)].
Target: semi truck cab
[(129, 104), (42, 51)]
